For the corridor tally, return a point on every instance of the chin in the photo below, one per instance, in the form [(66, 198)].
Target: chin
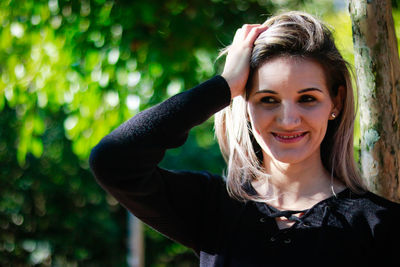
[(287, 158)]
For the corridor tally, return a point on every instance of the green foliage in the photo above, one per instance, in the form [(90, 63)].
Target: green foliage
[(51, 212), (74, 70), (396, 18)]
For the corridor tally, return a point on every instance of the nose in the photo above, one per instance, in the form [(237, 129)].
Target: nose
[(288, 116)]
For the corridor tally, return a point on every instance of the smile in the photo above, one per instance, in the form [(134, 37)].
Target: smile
[(289, 137)]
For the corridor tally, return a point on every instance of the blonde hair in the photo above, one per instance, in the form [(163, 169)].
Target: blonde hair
[(299, 35)]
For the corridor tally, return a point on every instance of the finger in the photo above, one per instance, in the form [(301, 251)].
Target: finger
[(238, 34), (248, 27), (255, 32), (243, 32), (253, 29)]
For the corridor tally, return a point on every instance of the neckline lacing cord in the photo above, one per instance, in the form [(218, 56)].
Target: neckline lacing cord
[(288, 214)]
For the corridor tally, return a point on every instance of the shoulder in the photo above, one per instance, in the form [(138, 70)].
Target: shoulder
[(369, 202), (379, 213), (212, 187)]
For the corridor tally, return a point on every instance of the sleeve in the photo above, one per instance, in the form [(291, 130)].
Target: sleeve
[(125, 164)]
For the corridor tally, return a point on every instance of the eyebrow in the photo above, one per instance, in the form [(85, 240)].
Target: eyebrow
[(309, 89), (266, 91)]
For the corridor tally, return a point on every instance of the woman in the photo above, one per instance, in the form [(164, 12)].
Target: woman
[(292, 194)]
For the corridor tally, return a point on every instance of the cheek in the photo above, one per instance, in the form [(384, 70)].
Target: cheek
[(318, 121), (319, 115), (259, 118)]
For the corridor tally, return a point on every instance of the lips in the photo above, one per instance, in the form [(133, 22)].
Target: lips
[(289, 137)]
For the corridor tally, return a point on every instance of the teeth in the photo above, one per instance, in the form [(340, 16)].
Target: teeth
[(289, 136)]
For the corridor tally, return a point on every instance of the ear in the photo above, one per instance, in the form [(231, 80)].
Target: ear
[(338, 101)]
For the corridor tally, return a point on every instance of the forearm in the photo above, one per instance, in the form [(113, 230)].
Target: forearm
[(139, 144)]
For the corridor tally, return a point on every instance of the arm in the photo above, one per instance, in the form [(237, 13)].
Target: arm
[(182, 205), (125, 163)]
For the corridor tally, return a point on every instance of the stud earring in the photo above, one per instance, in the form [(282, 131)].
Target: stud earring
[(333, 115)]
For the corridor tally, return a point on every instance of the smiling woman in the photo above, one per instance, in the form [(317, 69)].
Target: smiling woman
[(285, 127), (297, 80), (289, 121)]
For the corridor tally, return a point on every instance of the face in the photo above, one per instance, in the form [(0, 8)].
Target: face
[(289, 107)]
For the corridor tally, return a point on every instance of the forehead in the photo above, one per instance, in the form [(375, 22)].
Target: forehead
[(289, 73)]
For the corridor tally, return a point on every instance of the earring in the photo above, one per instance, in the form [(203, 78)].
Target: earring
[(333, 115)]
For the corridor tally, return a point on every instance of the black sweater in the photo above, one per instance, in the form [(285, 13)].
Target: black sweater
[(194, 209)]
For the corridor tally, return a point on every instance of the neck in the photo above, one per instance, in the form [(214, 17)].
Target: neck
[(296, 186)]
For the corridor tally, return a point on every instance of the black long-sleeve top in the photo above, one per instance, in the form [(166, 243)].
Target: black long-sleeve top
[(194, 208)]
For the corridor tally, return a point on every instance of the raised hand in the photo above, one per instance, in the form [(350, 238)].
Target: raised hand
[(237, 64)]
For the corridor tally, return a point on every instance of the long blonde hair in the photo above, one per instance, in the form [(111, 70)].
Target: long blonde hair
[(290, 34)]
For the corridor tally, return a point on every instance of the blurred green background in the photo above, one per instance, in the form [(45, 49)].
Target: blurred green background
[(72, 71)]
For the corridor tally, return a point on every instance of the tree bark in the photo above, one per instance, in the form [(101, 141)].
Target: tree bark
[(378, 78)]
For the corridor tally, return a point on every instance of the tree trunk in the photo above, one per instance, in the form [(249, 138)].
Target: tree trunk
[(135, 242), (378, 77)]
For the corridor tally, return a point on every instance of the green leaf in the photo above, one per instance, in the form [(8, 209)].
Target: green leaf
[(36, 147)]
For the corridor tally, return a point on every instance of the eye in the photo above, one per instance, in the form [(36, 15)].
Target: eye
[(268, 100), (307, 99)]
